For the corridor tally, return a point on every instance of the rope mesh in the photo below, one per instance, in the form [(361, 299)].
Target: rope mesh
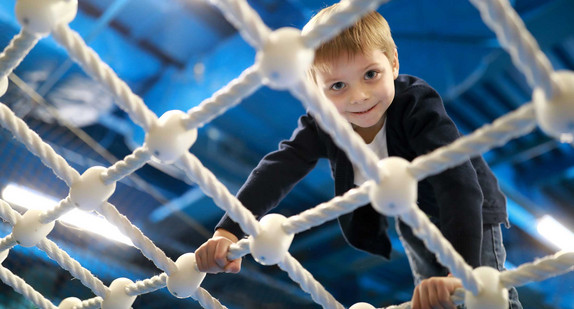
[(498, 14)]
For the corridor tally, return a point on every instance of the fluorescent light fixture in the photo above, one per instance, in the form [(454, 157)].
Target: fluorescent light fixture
[(30, 199), (556, 233)]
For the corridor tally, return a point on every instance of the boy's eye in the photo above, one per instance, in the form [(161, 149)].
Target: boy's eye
[(337, 86), (371, 74)]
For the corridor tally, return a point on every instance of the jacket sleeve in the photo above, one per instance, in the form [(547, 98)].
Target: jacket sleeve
[(278, 172), (457, 191)]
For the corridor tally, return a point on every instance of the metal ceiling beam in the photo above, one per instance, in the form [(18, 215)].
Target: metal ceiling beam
[(144, 45), (558, 12)]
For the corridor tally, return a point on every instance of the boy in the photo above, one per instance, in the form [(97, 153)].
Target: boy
[(396, 115)]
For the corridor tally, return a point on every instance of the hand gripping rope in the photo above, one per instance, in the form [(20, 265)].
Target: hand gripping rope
[(169, 136)]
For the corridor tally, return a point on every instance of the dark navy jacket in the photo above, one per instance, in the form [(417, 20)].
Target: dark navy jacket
[(460, 199)]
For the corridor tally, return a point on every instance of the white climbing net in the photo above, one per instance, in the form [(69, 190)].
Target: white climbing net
[(169, 137)]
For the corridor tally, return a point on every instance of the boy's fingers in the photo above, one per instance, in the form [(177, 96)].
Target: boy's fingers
[(201, 259), (209, 263), (233, 267), (433, 297), (443, 296), (424, 301), (220, 253), (415, 302), (455, 283)]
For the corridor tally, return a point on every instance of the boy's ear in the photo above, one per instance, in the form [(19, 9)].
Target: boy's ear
[(396, 64)]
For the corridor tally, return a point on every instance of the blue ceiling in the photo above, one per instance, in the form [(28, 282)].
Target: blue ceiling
[(177, 53)]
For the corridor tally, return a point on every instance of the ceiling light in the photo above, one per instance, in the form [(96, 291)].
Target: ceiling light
[(555, 233), (30, 199)]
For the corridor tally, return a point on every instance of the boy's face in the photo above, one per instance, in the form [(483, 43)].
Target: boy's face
[(361, 87)]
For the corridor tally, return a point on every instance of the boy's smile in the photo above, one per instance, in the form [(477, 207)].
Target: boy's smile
[(362, 88)]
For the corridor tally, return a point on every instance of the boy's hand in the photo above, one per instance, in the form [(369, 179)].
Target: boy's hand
[(435, 292), (211, 257)]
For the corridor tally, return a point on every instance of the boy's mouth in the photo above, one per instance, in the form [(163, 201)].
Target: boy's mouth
[(366, 111)]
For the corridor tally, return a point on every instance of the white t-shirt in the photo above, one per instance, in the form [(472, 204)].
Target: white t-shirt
[(379, 146)]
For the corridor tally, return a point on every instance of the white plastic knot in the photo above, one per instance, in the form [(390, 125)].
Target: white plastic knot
[(42, 16), (4, 255), (89, 191), (3, 85), (271, 244), (70, 303), (556, 115), (29, 231), (117, 298), (362, 306), (168, 139), (397, 191), (492, 294), (187, 279), (284, 58)]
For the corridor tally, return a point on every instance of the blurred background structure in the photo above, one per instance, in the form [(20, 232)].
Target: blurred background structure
[(176, 53)]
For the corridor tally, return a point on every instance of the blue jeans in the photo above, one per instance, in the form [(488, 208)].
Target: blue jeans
[(425, 265)]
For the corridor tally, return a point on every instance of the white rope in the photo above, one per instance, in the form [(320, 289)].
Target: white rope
[(457, 298), (89, 60), (12, 217), (238, 249), (73, 267), (57, 211), (7, 242), (518, 42), (128, 165), (58, 255), (344, 16), (219, 193), (330, 210), (146, 246), (17, 49), (333, 123), (245, 19), (8, 214), (36, 145), (92, 303), (496, 13), (206, 300), (20, 286), (541, 269), (425, 230), (308, 284), (224, 99), (511, 125), (147, 286)]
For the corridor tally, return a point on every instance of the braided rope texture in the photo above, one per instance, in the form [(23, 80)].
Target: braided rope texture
[(146, 246), (520, 44), (308, 284), (89, 60), (224, 99), (498, 14), (16, 50), (36, 145), (219, 193)]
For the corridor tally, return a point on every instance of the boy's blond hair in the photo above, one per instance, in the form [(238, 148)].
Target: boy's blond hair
[(371, 32)]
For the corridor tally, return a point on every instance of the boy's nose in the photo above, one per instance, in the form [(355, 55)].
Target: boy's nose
[(359, 96)]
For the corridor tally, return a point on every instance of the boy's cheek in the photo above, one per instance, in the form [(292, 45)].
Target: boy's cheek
[(338, 106)]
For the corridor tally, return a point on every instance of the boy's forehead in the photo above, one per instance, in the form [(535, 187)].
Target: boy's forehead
[(329, 62), (343, 58)]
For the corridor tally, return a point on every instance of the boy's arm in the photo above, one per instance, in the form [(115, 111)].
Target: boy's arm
[(457, 190), (278, 172)]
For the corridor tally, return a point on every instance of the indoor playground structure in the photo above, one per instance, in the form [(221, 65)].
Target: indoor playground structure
[(283, 55)]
